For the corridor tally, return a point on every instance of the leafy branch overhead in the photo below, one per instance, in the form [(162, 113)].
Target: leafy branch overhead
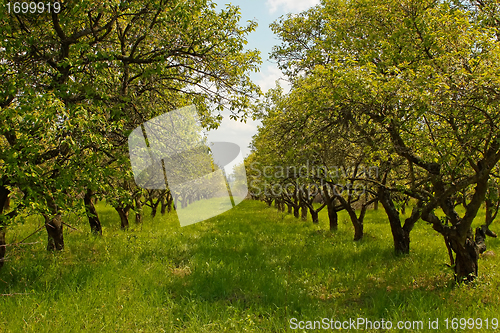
[(78, 81)]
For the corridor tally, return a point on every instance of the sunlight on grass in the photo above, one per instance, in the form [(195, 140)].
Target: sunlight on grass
[(249, 269)]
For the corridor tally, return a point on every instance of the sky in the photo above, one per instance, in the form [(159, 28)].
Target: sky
[(263, 12)]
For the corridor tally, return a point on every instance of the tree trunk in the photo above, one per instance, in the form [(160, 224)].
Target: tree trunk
[(95, 223), (332, 210), (491, 214), (357, 222), (4, 198), (400, 237), (2, 245), (54, 227), (138, 210), (459, 237), (480, 239), (303, 212), (401, 241), (290, 208), (466, 257), (123, 213), (154, 207), (314, 216), (358, 230), (170, 199), (281, 206), (333, 218)]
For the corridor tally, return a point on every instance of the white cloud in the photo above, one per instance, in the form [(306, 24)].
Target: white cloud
[(268, 78), (290, 5), (235, 131)]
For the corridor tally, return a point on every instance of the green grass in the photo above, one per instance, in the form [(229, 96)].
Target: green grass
[(250, 269)]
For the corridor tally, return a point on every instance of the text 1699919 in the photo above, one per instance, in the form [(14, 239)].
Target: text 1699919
[(33, 7)]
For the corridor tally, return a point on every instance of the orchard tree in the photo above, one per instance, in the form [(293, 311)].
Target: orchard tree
[(78, 81), (424, 75)]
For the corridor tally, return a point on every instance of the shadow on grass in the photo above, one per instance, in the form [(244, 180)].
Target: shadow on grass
[(248, 257)]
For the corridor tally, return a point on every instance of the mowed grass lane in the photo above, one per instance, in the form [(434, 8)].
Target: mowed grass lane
[(250, 269)]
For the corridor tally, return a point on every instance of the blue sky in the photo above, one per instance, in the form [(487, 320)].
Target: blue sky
[(263, 12)]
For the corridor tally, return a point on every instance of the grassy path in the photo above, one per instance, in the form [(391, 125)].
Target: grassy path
[(250, 269)]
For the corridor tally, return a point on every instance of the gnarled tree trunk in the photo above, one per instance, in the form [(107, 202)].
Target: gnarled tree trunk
[(331, 207), (314, 216), (170, 200), (123, 213), (54, 227), (400, 233), (357, 222), (492, 209), (459, 237), (95, 223), (466, 256), (333, 218)]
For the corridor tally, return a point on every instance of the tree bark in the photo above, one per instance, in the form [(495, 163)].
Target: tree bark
[(138, 210), (357, 222), (333, 218), (4, 197), (170, 200), (303, 212), (491, 213), (358, 230), (466, 257), (292, 200), (331, 208), (314, 212), (281, 205), (314, 216), (2, 245), (123, 213), (54, 227), (95, 223), (154, 206), (400, 236)]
